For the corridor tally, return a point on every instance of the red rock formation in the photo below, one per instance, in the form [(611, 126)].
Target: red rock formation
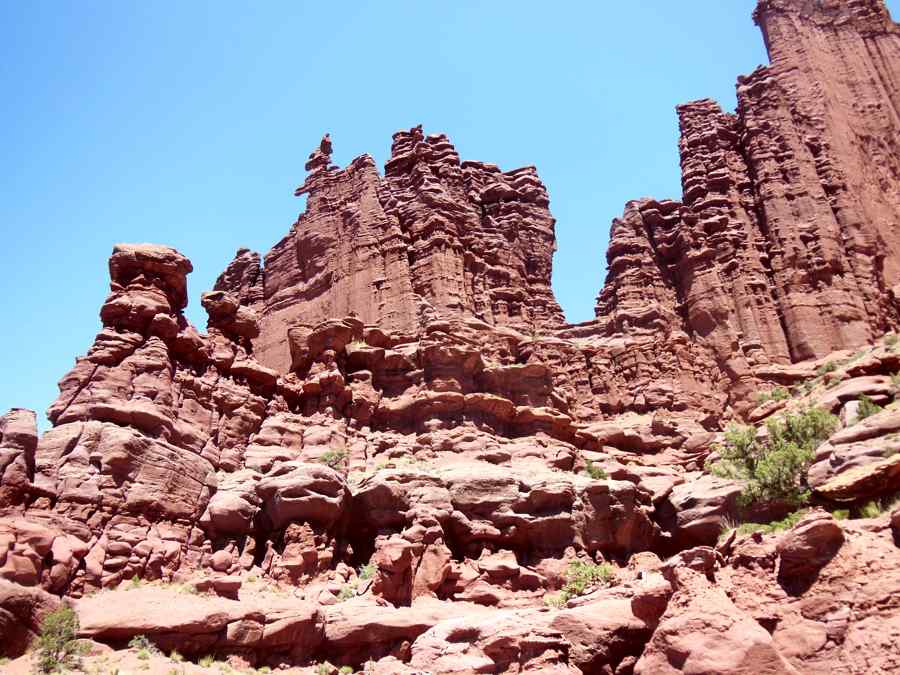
[(434, 238), (389, 447)]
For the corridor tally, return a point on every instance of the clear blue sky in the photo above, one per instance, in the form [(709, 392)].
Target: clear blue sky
[(188, 123)]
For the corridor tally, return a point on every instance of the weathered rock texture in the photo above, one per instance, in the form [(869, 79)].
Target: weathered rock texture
[(785, 244), (434, 238), (388, 446)]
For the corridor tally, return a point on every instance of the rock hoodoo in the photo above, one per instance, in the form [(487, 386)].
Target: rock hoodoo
[(389, 452)]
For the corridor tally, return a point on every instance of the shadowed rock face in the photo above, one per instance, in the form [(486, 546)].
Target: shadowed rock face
[(389, 446)]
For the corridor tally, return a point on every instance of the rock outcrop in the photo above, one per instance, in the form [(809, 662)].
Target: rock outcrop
[(389, 452)]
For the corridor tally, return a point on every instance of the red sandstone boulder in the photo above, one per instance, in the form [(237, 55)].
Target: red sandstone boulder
[(703, 632), (809, 545)]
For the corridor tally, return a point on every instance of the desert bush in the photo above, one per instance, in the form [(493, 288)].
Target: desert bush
[(142, 642), (594, 471), (366, 572), (828, 367), (57, 646), (776, 394), (867, 408), (785, 523), (334, 458), (774, 469)]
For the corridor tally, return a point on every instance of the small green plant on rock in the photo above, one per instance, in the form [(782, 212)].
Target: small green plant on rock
[(354, 345), (776, 394), (870, 510), (57, 647), (828, 367), (206, 661), (141, 642), (774, 469), (580, 577), (867, 408), (595, 471), (785, 523), (367, 571), (334, 458)]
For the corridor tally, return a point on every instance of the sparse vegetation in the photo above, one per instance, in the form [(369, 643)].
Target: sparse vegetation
[(347, 670), (774, 469), (140, 642), (870, 510), (776, 394), (366, 572), (841, 514), (354, 345), (134, 582), (595, 471), (895, 381), (867, 408), (206, 661), (57, 646), (580, 577), (891, 340), (175, 656), (347, 591), (334, 458), (828, 367), (324, 668), (785, 523)]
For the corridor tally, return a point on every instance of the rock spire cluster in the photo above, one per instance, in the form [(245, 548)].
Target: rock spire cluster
[(390, 453)]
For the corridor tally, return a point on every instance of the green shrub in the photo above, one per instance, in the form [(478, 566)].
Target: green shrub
[(776, 394), (785, 523), (895, 381), (580, 576), (140, 642), (347, 591), (870, 510), (354, 345), (347, 670), (774, 469), (867, 408), (334, 458), (841, 514), (594, 471), (828, 367), (57, 647), (206, 661), (366, 572)]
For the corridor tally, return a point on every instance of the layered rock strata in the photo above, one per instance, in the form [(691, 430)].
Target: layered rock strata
[(389, 452)]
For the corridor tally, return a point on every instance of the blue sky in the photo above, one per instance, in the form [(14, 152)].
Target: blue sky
[(188, 124)]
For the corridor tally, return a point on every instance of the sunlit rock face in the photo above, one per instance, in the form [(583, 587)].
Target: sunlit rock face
[(388, 451)]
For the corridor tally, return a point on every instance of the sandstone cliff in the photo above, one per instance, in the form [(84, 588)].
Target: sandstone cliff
[(389, 452)]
